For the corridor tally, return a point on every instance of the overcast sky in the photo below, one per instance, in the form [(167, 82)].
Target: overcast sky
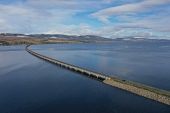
[(109, 18)]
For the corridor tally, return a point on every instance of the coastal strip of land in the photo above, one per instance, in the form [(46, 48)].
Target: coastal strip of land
[(7, 39), (146, 91)]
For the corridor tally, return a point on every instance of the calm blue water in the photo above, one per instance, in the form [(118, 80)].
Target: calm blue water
[(31, 85), (146, 62)]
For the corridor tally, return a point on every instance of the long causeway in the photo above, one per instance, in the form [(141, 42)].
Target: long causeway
[(149, 92)]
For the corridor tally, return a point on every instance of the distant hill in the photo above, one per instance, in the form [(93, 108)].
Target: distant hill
[(12, 39), (140, 39), (84, 38)]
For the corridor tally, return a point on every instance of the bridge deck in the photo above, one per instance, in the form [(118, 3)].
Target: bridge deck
[(69, 66)]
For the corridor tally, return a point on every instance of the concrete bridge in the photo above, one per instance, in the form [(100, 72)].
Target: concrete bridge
[(98, 76), (133, 87)]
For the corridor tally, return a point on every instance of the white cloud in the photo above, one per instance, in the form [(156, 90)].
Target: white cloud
[(69, 4), (36, 16), (81, 29), (3, 25), (130, 8), (131, 23), (57, 16), (157, 21), (23, 18)]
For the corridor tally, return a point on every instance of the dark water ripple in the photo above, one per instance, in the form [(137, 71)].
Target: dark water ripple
[(36, 86)]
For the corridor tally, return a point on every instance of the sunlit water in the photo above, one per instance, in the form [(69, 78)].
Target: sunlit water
[(31, 85)]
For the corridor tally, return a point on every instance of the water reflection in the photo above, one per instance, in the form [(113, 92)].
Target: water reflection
[(39, 87), (145, 62)]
